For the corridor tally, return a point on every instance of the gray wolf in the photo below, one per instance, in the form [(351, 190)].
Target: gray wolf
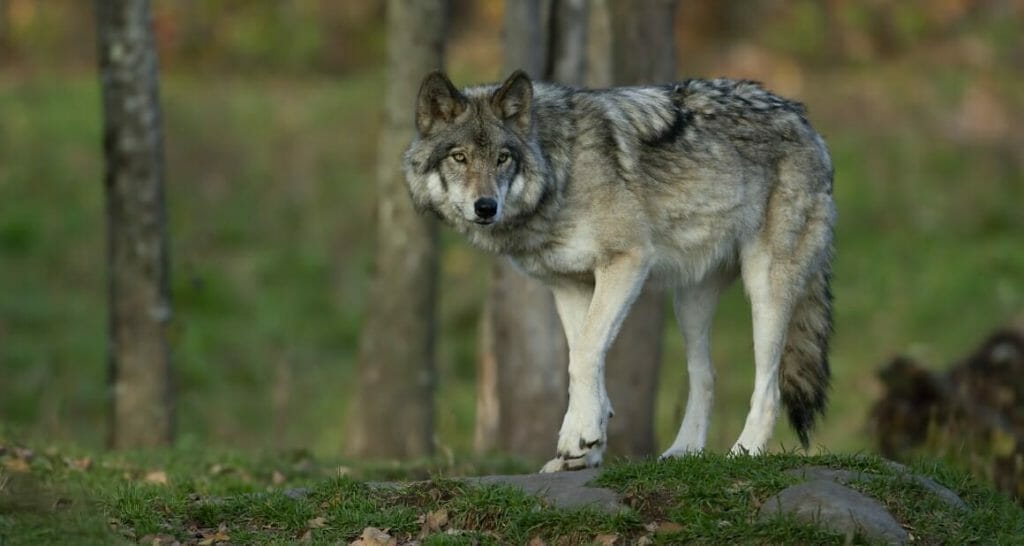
[(693, 184)]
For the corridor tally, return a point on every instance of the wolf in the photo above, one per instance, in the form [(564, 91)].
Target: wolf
[(594, 191)]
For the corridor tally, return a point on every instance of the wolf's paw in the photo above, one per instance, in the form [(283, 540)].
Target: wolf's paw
[(582, 439), (740, 450), (676, 452), (591, 459)]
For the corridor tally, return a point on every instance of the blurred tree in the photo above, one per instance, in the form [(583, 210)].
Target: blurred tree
[(393, 414), (140, 307), (643, 52), (5, 30), (522, 363)]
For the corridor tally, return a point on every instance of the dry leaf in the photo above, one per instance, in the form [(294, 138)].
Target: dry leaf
[(668, 527), (537, 541), (16, 465), (432, 522), (317, 523), (157, 476), (307, 536), (220, 535), (606, 540), (83, 464), (373, 536), (277, 478), (159, 540), (644, 541)]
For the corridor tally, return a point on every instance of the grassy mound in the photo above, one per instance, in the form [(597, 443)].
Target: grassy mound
[(199, 497)]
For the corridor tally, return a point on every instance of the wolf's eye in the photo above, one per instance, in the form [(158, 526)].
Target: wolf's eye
[(502, 158), (459, 157)]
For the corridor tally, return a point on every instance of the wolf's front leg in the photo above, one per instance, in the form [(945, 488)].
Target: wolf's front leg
[(583, 436)]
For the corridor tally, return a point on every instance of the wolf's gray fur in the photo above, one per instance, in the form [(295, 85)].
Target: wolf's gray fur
[(593, 191)]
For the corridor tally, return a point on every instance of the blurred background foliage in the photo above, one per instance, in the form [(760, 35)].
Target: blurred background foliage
[(271, 111)]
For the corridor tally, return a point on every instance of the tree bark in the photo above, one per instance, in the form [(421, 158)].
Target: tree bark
[(522, 379), (643, 52), (520, 386), (393, 414), (137, 242), (6, 44)]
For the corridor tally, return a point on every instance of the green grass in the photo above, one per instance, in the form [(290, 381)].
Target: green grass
[(708, 499)]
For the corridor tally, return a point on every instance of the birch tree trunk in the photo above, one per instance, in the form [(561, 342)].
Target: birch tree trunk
[(137, 245), (393, 414), (522, 378), (643, 52)]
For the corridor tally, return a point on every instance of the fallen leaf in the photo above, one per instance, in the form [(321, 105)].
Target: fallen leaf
[(668, 527), (158, 477), (373, 536), (277, 478), (317, 523), (644, 541), (537, 541), (307, 536), (606, 540), (160, 540), (16, 465), (220, 535), (82, 464), (432, 522)]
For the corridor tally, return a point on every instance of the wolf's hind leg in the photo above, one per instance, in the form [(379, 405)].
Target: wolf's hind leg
[(775, 268), (583, 436), (695, 309), (770, 315)]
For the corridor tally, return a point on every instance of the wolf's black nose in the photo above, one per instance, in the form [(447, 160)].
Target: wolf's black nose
[(486, 207)]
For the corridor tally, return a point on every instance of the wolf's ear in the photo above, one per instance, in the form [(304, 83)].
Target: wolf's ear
[(511, 102), (438, 103)]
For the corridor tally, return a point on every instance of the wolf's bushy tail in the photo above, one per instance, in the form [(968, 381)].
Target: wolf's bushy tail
[(804, 373)]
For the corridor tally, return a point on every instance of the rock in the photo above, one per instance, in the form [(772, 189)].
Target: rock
[(561, 489), (849, 476), (568, 489), (834, 506), (942, 491)]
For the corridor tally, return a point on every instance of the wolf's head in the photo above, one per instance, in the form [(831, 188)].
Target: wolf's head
[(475, 161)]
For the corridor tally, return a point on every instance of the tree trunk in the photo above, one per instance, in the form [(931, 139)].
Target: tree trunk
[(522, 379), (643, 52), (393, 414), (6, 44), (140, 307)]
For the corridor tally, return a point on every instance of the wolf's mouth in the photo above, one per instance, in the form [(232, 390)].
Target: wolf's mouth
[(483, 222)]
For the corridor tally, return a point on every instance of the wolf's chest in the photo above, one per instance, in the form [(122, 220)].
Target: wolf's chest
[(574, 253)]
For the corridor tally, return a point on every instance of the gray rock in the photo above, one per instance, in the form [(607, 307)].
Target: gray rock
[(942, 491), (850, 476), (561, 489), (834, 506)]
